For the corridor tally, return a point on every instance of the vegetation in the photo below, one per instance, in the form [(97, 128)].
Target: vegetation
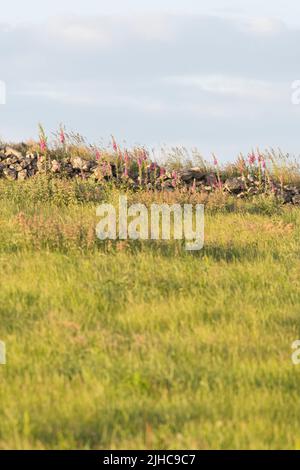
[(68, 154), (141, 344), (125, 346)]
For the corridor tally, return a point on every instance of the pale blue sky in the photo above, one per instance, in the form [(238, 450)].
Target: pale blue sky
[(18, 10), (216, 75)]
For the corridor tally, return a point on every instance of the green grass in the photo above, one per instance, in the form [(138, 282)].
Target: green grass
[(142, 346)]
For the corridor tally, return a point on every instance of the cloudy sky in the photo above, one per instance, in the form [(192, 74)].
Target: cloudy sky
[(216, 76)]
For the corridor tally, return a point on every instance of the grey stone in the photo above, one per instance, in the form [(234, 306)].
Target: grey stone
[(296, 200), (25, 163), (18, 167), (55, 166), (22, 175), (78, 163), (11, 151), (10, 173), (191, 174), (235, 185)]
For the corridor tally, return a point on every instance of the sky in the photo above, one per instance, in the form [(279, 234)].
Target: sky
[(214, 75)]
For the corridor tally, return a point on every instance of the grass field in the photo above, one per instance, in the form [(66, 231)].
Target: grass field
[(143, 346)]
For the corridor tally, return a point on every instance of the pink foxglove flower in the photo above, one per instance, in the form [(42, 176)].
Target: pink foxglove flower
[(252, 159), (162, 172), (126, 157), (153, 166), (174, 178), (262, 161), (108, 169), (114, 144), (62, 137), (43, 139), (43, 145)]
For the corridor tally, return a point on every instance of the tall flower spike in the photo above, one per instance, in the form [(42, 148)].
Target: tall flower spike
[(114, 144), (162, 171), (126, 156), (43, 145), (262, 161), (43, 139), (174, 179), (252, 159), (62, 136)]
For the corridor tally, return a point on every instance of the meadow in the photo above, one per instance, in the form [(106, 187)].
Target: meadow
[(134, 345)]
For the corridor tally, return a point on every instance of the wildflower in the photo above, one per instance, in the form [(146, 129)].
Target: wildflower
[(220, 184), (108, 169), (140, 162), (62, 136), (262, 161), (126, 157), (216, 163), (174, 179), (241, 164), (126, 161), (43, 139), (252, 158), (43, 145), (162, 172), (114, 144), (98, 155), (153, 166)]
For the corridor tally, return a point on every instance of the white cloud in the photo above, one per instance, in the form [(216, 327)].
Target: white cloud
[(80, 33), (89, 94), (230, 86), (263, 26), (109, 31)]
